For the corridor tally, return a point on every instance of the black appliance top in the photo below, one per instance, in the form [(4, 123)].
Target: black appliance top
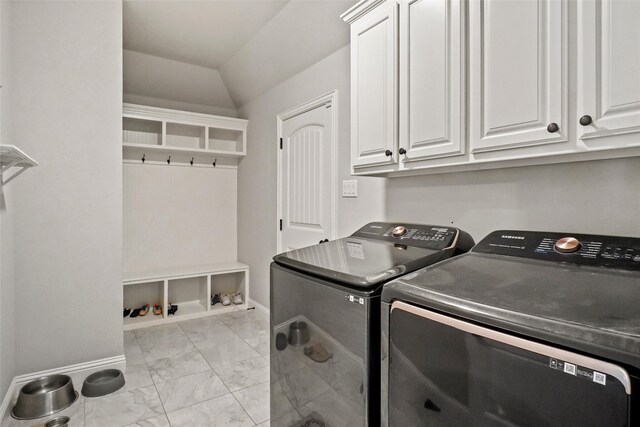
[(577, 291), (377, 253)]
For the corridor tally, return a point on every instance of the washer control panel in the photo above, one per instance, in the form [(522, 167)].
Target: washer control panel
[(585, 249), (425, 236)]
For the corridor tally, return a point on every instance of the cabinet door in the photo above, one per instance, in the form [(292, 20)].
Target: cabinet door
[(609, 72), (432, 78), (373, 87), (518, 73)]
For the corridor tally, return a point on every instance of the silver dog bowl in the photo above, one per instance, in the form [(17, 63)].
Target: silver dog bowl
[(58, 422), (44, 396)]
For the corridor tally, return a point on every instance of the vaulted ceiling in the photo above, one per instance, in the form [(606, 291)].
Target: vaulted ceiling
[(252, 45)]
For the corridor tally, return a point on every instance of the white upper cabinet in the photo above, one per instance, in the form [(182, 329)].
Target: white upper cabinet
[(492, 83), (432, 79), (518, 73), (374, 87), (608, 109)]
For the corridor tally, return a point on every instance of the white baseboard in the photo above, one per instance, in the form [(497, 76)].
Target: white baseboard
[(8, 399), (79, 371), (258, 306)]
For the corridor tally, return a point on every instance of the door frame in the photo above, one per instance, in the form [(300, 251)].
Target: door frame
[(330, 98)]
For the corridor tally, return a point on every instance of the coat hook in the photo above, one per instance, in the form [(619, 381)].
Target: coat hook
[(169, 160), (214, 163), (191, 161), (143, 158)]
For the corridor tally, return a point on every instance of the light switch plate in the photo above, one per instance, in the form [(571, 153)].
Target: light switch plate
[(350, 188)]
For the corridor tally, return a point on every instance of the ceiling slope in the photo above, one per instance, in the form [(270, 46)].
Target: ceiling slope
[(150, 78), (205, 33), (301, 34)]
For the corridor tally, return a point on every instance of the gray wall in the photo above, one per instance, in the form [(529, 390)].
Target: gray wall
[(7, 283), (599, 197), (257, 175), (65, 110)]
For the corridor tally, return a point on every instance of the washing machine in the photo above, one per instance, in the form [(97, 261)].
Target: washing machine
[(325, 319), (527, 329)]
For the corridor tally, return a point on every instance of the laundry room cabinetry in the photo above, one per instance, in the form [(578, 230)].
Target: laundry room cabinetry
[(518, 75), (374, 86), (491, 84), (608, 108), (407, 81)]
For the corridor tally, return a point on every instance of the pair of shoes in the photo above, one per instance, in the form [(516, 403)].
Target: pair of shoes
[(157, 310), (172, 309), (215, 299), (234, 298), (142, 311)]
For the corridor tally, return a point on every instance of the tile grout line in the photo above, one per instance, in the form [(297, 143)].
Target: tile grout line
[(214, 371), (152, 380)]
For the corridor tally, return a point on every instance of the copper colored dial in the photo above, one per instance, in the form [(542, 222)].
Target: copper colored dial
[(567, 245), (399, 231)]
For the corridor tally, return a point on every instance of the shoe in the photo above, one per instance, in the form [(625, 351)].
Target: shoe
[(236, 299), (135, 312), (172, 309), (126, 312), (224, 298), (144, 310), (157, 310), (215, 299)]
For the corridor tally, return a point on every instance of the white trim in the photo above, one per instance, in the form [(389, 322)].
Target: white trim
[(258, 306), (115, 362), (360, 9), (8, 399), (330, 98)]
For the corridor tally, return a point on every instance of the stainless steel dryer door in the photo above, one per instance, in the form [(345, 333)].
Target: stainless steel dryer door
[(447, 372)]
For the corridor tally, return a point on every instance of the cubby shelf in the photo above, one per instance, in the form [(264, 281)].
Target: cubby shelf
[(190, 288), (161, 130)]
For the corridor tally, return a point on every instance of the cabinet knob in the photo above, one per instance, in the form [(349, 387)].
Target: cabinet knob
[(388, 153), (586, 120), (402, 151), (553, 127)]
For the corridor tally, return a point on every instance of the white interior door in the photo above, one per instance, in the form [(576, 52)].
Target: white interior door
[(307, 178)]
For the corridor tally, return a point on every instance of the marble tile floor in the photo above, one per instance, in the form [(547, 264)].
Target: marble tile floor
[(212, 371)]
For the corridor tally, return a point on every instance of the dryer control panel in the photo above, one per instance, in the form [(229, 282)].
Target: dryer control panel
[(583, 249), (424, 236)]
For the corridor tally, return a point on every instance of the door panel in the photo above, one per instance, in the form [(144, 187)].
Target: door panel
[(373, 87), (609, 69), (432, 78), (307, 201), (518, 83), (461, 374)]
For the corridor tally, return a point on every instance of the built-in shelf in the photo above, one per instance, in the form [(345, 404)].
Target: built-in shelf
[(15, 160), (190, 288), (160, 130)]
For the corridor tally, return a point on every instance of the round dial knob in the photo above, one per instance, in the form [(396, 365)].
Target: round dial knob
[(567, 245), (399, 231)]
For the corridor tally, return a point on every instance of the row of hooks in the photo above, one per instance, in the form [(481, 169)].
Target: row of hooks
[(190, 161)]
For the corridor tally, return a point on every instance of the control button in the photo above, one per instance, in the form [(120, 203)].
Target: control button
[(399, 231), (567, 245)]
